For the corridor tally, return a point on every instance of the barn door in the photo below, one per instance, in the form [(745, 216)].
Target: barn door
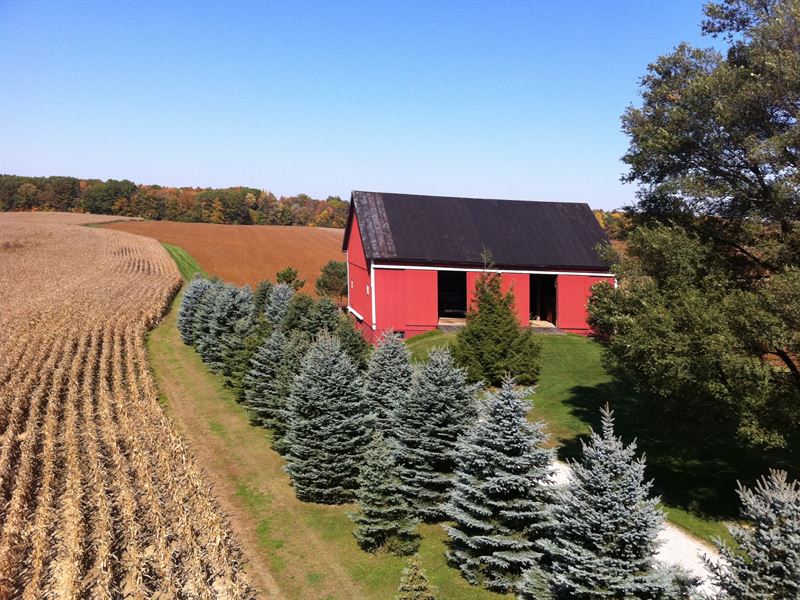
[(452, 294)]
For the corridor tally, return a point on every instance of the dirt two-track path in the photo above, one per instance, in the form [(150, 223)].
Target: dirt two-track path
[(240, 466)]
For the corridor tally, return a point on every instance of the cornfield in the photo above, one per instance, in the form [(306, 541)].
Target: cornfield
[(99, 496)]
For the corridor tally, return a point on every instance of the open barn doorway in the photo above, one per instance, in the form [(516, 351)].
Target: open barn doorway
[(452, 294), (543, 298)]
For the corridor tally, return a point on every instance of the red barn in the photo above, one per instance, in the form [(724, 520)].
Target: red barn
[(413, 261)]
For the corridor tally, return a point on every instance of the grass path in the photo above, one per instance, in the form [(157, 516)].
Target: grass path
[(295, 550)]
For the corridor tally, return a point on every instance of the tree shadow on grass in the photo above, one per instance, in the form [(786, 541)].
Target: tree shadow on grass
[(688, 471)]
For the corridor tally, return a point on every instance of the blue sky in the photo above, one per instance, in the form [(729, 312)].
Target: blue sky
[(506, 100)]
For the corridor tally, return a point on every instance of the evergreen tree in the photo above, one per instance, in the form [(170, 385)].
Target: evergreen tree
[(352, 341), (324, 316), (204, 315), (439, 408), (278, 304), (493, 345), (289, 277), (329, 425), (261, 297), (262, 395), (191, 299), (313, 317), (606, 526), (236, 352), (535, 585), (297, 313), (384, 519), (333, 280), (500, 501), (414, 584), (297, 345), (231, 305), (766, 564), (387, 380)]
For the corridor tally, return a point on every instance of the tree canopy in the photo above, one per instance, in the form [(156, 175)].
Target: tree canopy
[(241, 205), (706, 319)]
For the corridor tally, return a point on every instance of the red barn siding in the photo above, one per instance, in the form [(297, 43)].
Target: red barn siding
[(472, 279), (422, 302), (406, 300), (520, 284), (572, 299), (390, 299)]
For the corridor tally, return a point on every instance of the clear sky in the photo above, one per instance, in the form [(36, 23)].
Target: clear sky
[(506, 100)]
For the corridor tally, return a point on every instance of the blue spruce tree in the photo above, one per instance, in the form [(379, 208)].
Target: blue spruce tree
[(604, 541), (329, 425), (387, 380), (439, 408), (500, 501), (191, 299), (279, 297), (383, 520), (204, 316), (766, 564), (231, 305), (263, 394)]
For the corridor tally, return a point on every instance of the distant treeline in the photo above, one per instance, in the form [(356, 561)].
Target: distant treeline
[(200, 205)]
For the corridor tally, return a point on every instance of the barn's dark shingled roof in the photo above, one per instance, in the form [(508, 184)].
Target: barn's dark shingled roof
[(406, 228)]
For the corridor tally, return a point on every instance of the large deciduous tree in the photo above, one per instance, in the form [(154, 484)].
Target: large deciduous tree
[(705, 320)]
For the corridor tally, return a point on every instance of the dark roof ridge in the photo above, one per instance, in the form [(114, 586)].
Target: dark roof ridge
[(468, 197)]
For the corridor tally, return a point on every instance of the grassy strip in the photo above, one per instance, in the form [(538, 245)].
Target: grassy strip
[(309, 548), (420, 345), (572, 387), (187, 265)]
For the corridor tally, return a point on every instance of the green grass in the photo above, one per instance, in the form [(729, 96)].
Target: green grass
[(187, 265), (420, 345)]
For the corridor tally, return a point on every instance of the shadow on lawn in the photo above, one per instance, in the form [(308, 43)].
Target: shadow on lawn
[(689, 472)]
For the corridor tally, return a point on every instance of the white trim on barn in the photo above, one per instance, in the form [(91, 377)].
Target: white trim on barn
[(349, 283), (372, 292), (357, 314), (436, 268)]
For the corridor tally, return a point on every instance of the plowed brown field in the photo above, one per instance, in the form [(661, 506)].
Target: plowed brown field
[(99, 495), (248, 253)]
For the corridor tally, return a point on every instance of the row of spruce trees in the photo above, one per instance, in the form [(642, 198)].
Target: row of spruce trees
[(413, 444)]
